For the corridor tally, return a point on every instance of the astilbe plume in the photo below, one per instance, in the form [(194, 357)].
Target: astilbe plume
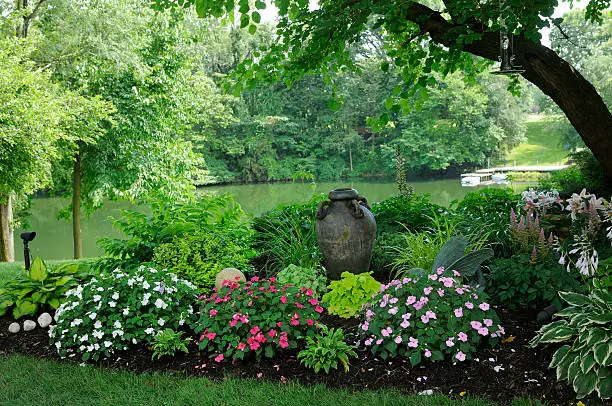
[(529, 237)]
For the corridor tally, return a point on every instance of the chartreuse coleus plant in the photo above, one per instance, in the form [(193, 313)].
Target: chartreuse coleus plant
[(40, 288), (585, 330), (256, 317), (326, 349), (432, 317), (121, 308), (347, 295)]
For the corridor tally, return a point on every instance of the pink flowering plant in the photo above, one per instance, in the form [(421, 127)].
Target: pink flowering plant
[(429, 317), (256, 317)]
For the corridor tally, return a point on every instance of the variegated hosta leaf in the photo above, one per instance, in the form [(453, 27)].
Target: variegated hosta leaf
[(604, 383), (575, 299), (558, 335), (568, 311), (584, 384), (564, 364), (602, 351), (558, 356), (587, 361)]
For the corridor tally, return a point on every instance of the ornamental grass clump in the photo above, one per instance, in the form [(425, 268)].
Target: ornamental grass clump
[(256, 317), (118, 309), (432, 317)]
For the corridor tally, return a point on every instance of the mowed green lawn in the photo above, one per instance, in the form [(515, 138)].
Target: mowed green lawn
[(543, 147)]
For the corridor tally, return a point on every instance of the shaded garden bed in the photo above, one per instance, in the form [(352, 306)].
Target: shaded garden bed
[(508, 371)]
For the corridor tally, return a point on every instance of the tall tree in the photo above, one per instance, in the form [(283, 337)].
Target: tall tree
[(439, 37)]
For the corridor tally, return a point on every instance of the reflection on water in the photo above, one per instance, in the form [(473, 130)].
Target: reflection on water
[(54, 237)]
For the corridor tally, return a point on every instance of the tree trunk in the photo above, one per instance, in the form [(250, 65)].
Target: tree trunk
[(7, 243), (76, 208), (351, 157), (575, 95)]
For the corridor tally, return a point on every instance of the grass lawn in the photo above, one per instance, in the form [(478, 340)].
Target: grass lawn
[(25, 380), (543, 146)]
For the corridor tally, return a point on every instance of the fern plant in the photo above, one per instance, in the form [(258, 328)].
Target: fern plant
[(325, 350)]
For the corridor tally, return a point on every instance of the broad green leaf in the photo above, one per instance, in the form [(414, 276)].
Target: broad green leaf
[(575, 299), (568, 311), (557, 335), (63, 280), (201, 9), (415, 358), (256, 17), (587, 362), (602, 351), (564, 364), (604, 384), (24, 308), (38, 270), (584, 384), (54, 303), (558, 356)]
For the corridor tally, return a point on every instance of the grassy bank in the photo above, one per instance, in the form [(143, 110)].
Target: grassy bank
[(543, 146), (25, 380)]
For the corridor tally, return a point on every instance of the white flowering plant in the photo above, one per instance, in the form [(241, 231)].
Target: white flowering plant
[(118, 309), (429, 317)]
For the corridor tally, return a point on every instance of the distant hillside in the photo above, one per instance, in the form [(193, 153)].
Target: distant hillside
[(543, 147)]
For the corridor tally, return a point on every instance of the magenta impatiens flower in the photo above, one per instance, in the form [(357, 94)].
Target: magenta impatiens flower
[(319, 309), (212, 312), (219, 358)]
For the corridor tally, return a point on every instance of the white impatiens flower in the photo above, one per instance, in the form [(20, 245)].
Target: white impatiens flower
[(161, 321), (131, 282), (76, 322), (112, 303), (160, 304), (117, 333), (98, 334), (150, 330), (58, 344), (146, 285), (98, 324), (126, 311), (145, 299), (84, 338), (115, 296), (134, 341), (96, 346), (93, 315), (117, 324), (107, 344), (97, 298)]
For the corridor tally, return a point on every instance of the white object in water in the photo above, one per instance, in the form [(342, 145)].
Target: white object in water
[(499, 178), (470, 181)]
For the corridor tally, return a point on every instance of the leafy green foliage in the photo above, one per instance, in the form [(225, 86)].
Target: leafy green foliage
[(519, 283), (255, 317), (287, 236), (585, 173), (585, 358), (120, 308), (347, 295), (199, 257), (217, 222), (433, 316), (40, 289), (405, 212), (168, 342), (489, 209), (325, 349), (313, 278)]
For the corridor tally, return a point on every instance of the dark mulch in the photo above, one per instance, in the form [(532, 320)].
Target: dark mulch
[(507, 371)]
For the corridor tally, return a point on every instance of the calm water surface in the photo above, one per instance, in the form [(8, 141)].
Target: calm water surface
[(54, 237)]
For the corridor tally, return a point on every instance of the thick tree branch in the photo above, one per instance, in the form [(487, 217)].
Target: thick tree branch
[(576, 96)]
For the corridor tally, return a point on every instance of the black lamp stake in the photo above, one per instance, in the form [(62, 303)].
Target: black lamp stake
[(27, 237)]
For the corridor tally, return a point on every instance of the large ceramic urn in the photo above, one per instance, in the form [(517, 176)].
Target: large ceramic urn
[(346, 230)]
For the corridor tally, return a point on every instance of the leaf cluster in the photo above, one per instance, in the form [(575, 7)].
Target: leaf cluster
[(585, 330), (168, 342), (313, 278), (40, 288), (325, 350), (346, 296)]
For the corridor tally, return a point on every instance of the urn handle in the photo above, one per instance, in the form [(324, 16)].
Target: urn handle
[(322, 209)]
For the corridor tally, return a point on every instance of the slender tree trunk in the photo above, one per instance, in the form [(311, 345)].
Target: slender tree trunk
[(7, 244), (76, 208), (351, 158)]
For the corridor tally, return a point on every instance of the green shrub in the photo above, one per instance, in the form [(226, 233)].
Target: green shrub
[(489, 209), (313, 278), (40, 289), (586, 172), (170, 222), (347, 295), (384, 254), (325, 350), (120, 308), (428, 317), (405, 212), (287, 235), (199, 257), (519, 283), (168, 342), (585, 330)]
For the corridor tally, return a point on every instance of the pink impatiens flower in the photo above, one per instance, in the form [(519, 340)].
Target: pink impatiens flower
[(379, 341), (427, 290), (368, 341), (460, 356), (283, 299), (319, 309), (484, 306), (398, 339), (410, 300), (219, 358), (272, 333), (241, 346), (450, 342), (393, 310), (462, 336), (488, 322), (212, 312), (211, 335), (440, 292), (386, 332), (405, 323), (469, 305), (254, 330), (483, 331), (365, 326), (427, 353), (425, 319), (313, 302), (459, 312), (309, 322), (460, 291), (413, 342), (475, 324)]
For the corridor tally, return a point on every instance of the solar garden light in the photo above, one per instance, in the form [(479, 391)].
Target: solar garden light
[(27, 237), (506, 49)]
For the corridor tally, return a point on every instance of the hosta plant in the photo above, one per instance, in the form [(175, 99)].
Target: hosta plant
[(325, 350), (168, 342), (313, 278), (585, 330), (432, 317), (40, 288), (256, 317), (120, 308), (347, 295)]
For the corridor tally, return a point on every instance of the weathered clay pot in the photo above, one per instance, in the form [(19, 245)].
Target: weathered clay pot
[(346, 230)]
